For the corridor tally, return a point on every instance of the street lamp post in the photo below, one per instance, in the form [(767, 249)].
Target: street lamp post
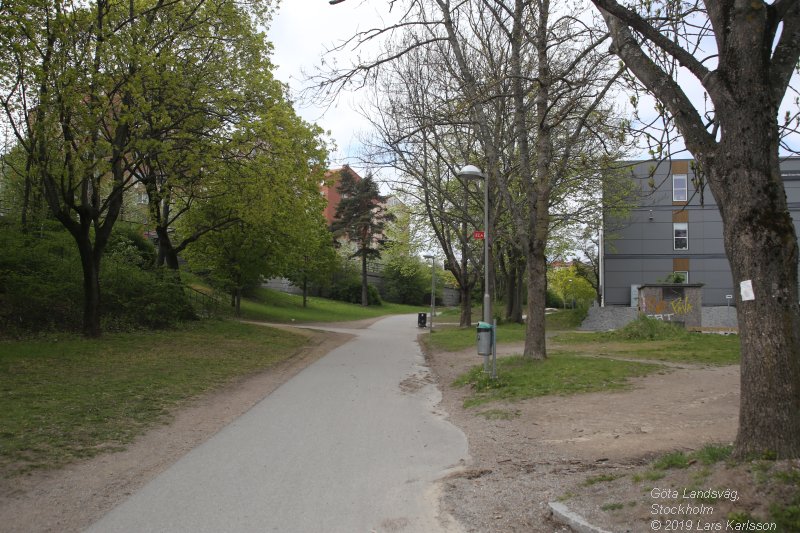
[(433, 286), (472, 172)]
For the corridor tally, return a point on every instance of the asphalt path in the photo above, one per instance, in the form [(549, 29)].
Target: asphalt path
[(353, 443)]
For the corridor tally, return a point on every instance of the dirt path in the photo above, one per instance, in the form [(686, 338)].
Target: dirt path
[(529, 453)]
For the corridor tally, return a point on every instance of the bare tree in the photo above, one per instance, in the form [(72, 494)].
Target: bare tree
[(557, 94), (531, 91), (421, 131)]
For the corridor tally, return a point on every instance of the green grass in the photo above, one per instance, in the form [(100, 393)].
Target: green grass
[(519, 379), (707, 455), (273, 306), (66, 397), (564, 319), (671, 460), (612, 507), (454, 339), (697, 348), (500, 414), (713, 453), (601, 478)]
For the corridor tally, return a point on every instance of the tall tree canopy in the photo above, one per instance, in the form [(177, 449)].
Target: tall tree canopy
[(176, 96)]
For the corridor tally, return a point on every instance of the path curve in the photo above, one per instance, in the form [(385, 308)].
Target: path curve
[(352, 443)]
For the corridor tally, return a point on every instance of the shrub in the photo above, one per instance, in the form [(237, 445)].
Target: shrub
[(135, 298), (350, 291), (645, 328), (40, 281), (405, 281), (41, 284)]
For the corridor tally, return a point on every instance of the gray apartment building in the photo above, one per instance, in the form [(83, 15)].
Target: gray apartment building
[(672, 230)]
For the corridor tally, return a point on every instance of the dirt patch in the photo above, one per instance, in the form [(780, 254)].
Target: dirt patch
[(74, 497), (530, 453)]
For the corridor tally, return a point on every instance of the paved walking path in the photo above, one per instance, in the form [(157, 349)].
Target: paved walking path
[(351, 444)]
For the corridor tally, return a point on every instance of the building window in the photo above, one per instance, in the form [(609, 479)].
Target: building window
[(142, 198), (680, 187), (680, 276), (680, 231)]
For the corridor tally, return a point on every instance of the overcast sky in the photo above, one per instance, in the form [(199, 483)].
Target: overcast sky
[(301, 32)]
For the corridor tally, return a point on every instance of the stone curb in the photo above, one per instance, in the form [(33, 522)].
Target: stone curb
[(562, 513)]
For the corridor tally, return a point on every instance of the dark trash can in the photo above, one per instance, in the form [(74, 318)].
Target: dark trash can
[(422, 320)]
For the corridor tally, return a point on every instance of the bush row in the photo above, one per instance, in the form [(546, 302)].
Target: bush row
[(41, 284)]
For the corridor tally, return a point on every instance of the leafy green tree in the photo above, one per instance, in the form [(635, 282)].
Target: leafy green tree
[(570, 286), (406, 279), (71, 92), (272, 195), (361, 217), (236, 258), (200, 115), (312, 258)]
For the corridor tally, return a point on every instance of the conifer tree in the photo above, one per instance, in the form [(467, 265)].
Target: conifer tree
[(361, 217)]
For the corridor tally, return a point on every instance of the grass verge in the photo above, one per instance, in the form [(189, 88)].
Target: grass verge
[(453, 339), (274, 306), (703, 490), (519, 378), (756, 495), (65, 397), (695, 348)]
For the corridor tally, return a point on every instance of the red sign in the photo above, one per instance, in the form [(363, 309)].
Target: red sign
[(478, 235)]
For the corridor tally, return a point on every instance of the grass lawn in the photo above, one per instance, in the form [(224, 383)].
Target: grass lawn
[(680, 347), (273, 306), (453, 339), (67, 397), (573, 364), (520, 379)]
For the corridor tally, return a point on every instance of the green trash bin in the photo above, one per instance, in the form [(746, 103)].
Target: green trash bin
[(484, 338)]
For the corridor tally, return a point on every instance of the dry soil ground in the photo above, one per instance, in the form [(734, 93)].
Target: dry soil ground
[(523, 455), (527, 454)]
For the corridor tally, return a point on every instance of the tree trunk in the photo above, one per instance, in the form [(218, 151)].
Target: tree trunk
[(364, 282), (237, 301), (26, 196), (90, 263), (465, 293), (517, 295), (515, 286), (305, 291), (537, 290), (166, 252), (761, 245)]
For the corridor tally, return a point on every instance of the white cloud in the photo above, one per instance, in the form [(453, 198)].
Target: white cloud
[(302, 32)]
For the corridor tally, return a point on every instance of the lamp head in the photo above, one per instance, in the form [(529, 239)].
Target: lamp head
[(471, 172)]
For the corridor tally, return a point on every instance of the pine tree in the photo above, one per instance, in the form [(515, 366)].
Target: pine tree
[(361, 217)]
